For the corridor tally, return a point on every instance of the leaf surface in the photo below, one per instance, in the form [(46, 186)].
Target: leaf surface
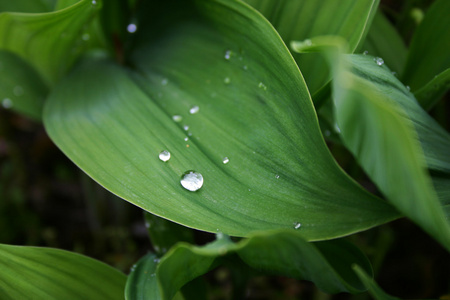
[(327, 264), (113, 123), (47, 273), (374, 290)]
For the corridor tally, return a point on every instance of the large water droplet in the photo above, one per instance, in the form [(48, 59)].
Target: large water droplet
[(192, 181), (228, 54), (177, 118), (131, 28), (7, 103), (225, 160), (194, 109), (164, 155), (379, 61), (297, 225), (227, 80)]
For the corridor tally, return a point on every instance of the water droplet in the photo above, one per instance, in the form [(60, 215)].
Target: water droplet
[(379, 61), (147, 225), (227, 80), (277, 176), (262, 86), (186, 128), (194, 109), (164, 155), (228, 54), (177, 118), (408, 88), (85, 37), (18, 90), (156, 260), (245, 67), (186, 139), (94, 2), (7, 103), (394, 73), (165, 81), (327, 132), (225, 160), (192, 181), (366, 52), (133, 267), (189, 133), (131, 28), (297, 225), (337, 128)]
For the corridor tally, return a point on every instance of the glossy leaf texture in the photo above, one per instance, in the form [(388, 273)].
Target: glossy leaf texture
[(374, 113), (428, 55), (384, 41), (374, 290), (303, 19), (45, 273), (21, 87), (254, 109), (48, 41), (327, 264)]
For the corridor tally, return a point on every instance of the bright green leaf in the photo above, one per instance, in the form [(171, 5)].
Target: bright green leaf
[(113, 123), (303, 19), (48, 41), (384, 41), (26, 6), (21, 88), (44, 273), (327, 264), (376, 292), (429, 49)]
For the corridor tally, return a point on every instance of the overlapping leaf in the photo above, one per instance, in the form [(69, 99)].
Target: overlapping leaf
[(376, 292), (48, 41), (303, 19), (254, 108), (44, 273), (327, 264)]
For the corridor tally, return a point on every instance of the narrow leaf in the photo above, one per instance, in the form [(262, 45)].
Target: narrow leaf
[(374, 290), (114, 123), (48, 273), (433, 91)]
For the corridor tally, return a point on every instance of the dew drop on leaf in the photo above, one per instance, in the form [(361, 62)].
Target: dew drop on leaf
[(194, 109), (186, 127), (7, 103), (227, 80), (366, 52), (131, 28), (165, 81), (297, 225), (225, 160), (262, 86), (177, 118), (164, 155), (192, 181), (379, 61), (228, 54)]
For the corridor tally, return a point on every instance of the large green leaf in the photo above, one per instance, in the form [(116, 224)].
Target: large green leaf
[(26, 6), (44, 273), (303, 19), (384, 41), (375, 125), (428, 54), (327, 264), (254, 108), (49, 41), (21, 88)]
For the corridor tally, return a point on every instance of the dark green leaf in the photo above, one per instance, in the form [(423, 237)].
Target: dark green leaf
[(376, 292), (433, 91), (113, 123), (44, 273), (428, 54), (21, 88), (327, 264)]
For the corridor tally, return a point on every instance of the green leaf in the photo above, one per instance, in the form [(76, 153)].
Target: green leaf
[(48, 41), (374, 118), (428, 54), (374, 290), (302, 19), (21, 88), (433, 91), (48, 273), (113, 123), (26, 6), (327, 264), (384, 41)]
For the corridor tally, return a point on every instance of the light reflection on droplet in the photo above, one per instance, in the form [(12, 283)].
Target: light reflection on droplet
[(177, 118), (225, 160), (7, 103), (194, 109), (131, 28), (192, 181), (297, 225), (164, 155)]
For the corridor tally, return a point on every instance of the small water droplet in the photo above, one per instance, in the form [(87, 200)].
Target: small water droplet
[(297, 225), (262, 86), (7, 103), (85, 37), (379, 61), (194, 109), (94, 2), (186, 127), (147, 225), (156, 260), (164, 155), (164, 81), (131, 28), (152, 275), (228, 54), (177, 118), (277, 176), (227, 80), (394, 73), (189, 133), (337, 128), (192, 181), (186, 139), (327, 132), (18, 90), (133, 267), (245, 67), (366, 52), (408, 88), (225, 160)]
